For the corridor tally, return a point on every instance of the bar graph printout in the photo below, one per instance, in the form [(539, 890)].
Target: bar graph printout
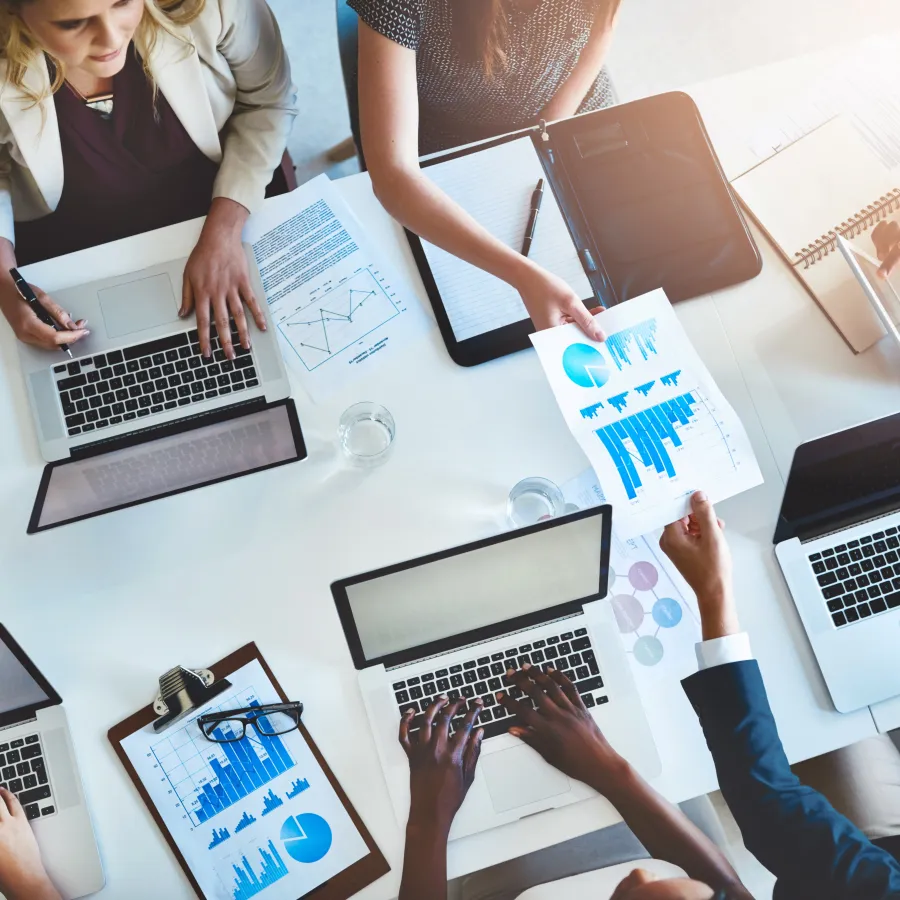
[(234, 808), (647, 413)]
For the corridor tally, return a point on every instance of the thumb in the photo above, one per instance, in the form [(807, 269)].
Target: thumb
[(704, 512), (582, 317)]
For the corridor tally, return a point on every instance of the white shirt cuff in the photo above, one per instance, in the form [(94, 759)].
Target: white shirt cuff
[(724, 650)]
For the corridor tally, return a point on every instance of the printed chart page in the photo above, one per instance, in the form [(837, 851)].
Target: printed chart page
[(253, 817), (656, 613), (335, 306), (647, 413)]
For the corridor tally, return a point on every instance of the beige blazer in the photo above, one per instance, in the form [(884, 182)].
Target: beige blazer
[(227, 79)]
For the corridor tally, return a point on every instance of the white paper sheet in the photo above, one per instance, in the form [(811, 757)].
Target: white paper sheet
[(657, 614), (865, 87), (495, 186), (329, 293), (647, 413), (255, 817)]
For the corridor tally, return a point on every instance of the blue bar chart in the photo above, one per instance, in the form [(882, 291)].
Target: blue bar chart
[(641, 439), (297, 788), (642, 335), (247, 883), (271, 802), (211, 777), (246, 821), (219, 837)]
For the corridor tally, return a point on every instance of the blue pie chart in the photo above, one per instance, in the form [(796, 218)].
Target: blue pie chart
[(307, 837), (585, 365)]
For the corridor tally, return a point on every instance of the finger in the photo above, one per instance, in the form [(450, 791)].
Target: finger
[(465, 730), (890, 261), (441, 730), (473, 751), (223, 327), (203, 324), (884, 236), (5, 797), (187, 297), (12, 805), (237, 313), (60, 316), (582, 317), (524, 714), (429, 716), (704, 512), (405, 719), (524, 678), (551, 688), (253, 305), (567, 688), (64, 338)]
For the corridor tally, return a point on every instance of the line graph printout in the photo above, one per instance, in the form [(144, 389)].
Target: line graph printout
[(233, 808), (647, 413), (334, 304)]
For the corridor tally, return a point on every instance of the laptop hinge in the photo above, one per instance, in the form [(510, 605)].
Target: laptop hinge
[(19, 724), (842, 528), (509, 634), (164, 429)]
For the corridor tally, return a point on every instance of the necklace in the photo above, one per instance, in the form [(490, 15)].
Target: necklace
[(100, 103)]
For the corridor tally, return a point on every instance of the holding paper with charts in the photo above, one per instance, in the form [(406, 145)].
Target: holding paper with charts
[(647, 413)]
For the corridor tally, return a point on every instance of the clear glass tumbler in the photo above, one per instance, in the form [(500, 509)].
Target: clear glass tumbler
[(366, 432), (533, 500)]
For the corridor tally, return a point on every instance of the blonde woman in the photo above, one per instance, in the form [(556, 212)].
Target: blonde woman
[(120, 116), (439, 73)]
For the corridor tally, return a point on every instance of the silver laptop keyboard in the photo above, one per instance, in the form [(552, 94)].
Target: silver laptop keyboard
[(569, 652), (97, 392), (24, 773), (860, 578)]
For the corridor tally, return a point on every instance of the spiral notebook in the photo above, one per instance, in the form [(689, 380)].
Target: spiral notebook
[(828, 183)]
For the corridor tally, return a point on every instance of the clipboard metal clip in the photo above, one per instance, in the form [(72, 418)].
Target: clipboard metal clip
[(181, 691)]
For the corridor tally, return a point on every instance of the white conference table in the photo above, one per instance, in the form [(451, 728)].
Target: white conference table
[(105, 606)]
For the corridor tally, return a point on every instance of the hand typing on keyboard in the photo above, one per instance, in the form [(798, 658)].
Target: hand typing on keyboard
[(22, 873), (217, 280), (552, 718)]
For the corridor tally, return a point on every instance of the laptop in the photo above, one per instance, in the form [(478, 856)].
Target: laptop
[(879, 291), (838, 544), (139, 401), (453, 622), (37, 763)]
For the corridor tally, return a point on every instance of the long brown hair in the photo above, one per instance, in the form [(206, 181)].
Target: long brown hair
[(19, 48), (480, 31)]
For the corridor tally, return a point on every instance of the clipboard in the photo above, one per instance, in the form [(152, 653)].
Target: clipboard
[(342, 886), (646, 203)]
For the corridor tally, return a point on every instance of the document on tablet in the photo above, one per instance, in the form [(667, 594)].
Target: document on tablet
[(647, 414), (495, 186)]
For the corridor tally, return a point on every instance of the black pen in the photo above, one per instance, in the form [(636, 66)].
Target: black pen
[(536, 198), (28, 295)]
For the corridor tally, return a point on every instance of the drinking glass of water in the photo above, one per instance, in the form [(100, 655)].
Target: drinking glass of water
[(366, 433), (533, 500)]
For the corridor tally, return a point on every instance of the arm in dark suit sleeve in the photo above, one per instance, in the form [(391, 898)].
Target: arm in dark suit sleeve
[(790, 828)]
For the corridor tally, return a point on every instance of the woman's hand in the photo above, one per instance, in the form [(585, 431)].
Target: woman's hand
[(22, 873), (441, 768), (562, 729), (217, 280), (29, 329), (886, 238), (697, 547), (550, 302)]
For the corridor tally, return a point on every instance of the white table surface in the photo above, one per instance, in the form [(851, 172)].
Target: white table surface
[(106, 605)]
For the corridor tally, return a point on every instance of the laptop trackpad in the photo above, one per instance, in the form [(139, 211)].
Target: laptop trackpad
[(138, 305), (519, 776)]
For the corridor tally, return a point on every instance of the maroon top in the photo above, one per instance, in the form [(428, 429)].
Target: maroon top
[(136, 171)]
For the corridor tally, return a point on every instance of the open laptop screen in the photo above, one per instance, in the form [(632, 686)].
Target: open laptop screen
[(22, 687), (473, 588), (190, 456)]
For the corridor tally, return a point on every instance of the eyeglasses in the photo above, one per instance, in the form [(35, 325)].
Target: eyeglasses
[(268, 720)]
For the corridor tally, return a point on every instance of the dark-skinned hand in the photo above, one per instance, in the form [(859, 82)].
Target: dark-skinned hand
[(441, 768), (561, 729)]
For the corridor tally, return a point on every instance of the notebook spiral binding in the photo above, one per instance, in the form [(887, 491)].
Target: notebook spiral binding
[(854, 226)]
